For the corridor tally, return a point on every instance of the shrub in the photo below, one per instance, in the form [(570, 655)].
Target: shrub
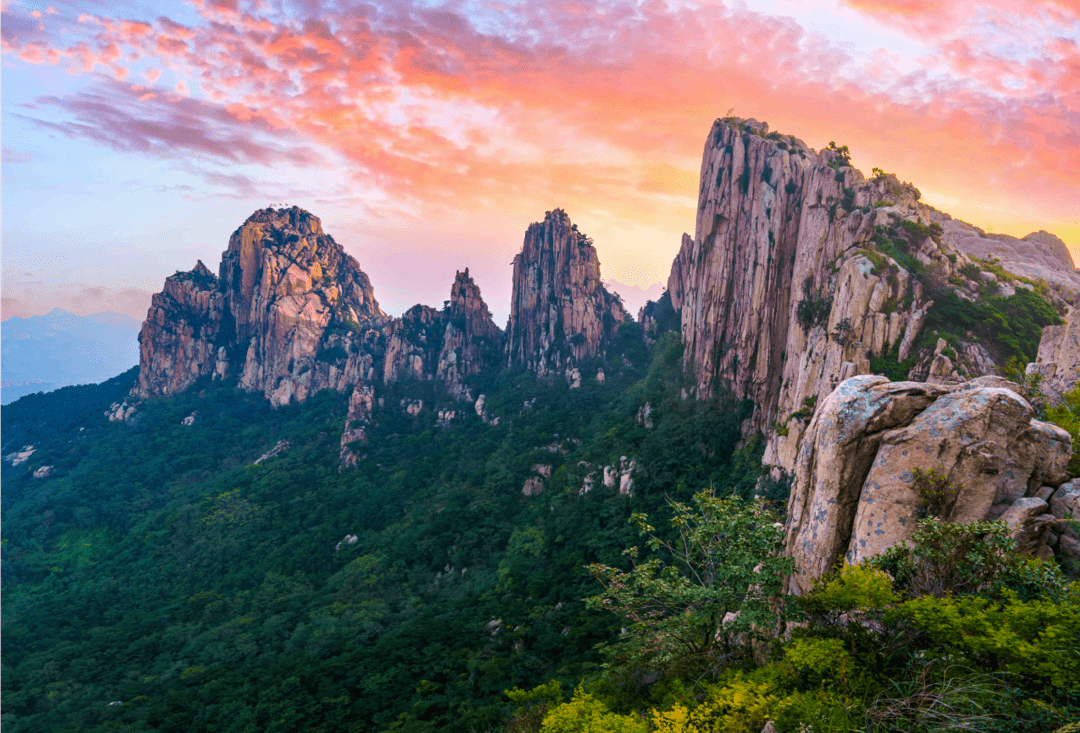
[(814, 308), (740, 706), (585, 714), (943, 558), (934, 490), (727, 593), (1065, 413), (1035, 638)]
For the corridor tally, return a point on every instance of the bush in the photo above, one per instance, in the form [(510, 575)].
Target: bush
[(934, 490), (814, 308), (585, 714), (740, 706), (1036, 638), (729, 552)]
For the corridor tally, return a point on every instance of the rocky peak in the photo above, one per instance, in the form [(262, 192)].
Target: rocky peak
[(472, 340), (291, 313), (179, 338), (801, 271), (560, 311), (413, 343)]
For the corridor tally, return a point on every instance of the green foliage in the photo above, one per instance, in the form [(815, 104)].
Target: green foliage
[(532, 706), (841, 157), (1065, 413), (1008, 327), (806, 410), (159, 568), (972, 558), (821, 657), (586, 714), (814, 308), (739, 706), (936, 493), (1036, 638), (719, 590), (890, 365), (854, 587)]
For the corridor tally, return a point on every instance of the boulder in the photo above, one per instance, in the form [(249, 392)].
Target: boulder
[(837, 451), (855, 479)]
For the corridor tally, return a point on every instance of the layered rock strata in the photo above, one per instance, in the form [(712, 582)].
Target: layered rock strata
[(855, 492), (560, 313)]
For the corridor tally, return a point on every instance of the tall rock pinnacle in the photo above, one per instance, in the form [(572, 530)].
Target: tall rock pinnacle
[(560, 312), (801, 271), (472, 339), (290, 314)]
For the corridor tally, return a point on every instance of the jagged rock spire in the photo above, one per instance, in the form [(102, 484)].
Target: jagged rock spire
[(560, 312)]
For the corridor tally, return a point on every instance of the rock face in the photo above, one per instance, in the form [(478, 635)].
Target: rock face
[(560, 311), (304, 308), (289, 314), (1039, 255), (472, 341), (1059, 355), (776, 289), (413, 343), (361, 404), (448, 345), (793, 280), (855, 488), (178, 341)]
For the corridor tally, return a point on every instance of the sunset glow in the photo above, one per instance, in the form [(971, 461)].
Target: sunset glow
[(428, 135)]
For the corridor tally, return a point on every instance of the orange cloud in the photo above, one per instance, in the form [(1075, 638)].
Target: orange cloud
[(603, 103)]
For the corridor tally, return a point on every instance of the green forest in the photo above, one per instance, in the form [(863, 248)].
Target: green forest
[(158, 580)]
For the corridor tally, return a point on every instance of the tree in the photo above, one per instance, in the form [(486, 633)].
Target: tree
[(720, 590)]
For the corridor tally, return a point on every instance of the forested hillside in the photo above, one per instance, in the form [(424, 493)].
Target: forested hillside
[(157, 580)]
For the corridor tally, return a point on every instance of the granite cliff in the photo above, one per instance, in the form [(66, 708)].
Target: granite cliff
[(561, 313), (802, 271)]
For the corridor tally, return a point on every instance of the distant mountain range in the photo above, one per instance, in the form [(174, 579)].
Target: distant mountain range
[(634, 297), (43, 353)]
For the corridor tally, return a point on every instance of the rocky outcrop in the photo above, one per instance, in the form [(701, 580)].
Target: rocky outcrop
[(179, 338), (20, 456), (289, 314), (802, 272), (303, 307), (413, 343), (779, 289), (472, 341), (856, 490), (560, 312), (1058, 361), (361, 405), (280, 447), (1039, 255), (122, 411), (448, 345), (680, 271)]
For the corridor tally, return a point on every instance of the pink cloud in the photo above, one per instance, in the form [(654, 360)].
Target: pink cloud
[(550, 98)]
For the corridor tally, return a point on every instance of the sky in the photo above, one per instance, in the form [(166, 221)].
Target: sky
[(137, 136)]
